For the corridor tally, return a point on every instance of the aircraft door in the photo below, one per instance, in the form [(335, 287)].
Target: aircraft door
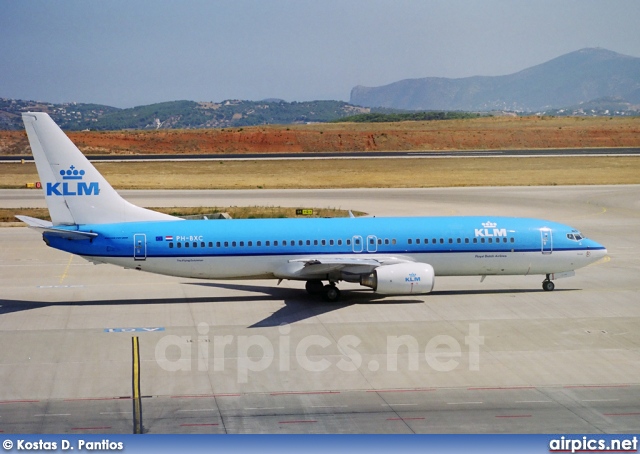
[(372, 243), (356, 243), (139, 246), (547, 240)]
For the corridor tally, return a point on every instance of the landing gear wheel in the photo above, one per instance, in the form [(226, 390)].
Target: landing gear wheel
[(548, 286), (331, 293), (314, 287)]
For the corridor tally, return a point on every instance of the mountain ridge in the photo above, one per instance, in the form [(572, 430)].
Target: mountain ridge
[(569, 79)]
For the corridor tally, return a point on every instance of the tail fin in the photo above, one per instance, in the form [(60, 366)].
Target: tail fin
[(75, 191)]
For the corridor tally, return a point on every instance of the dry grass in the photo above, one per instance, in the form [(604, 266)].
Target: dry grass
[(480, 133), (354, 173)]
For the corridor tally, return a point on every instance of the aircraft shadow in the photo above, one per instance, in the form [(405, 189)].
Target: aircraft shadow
[(303, 306), (298, 305)]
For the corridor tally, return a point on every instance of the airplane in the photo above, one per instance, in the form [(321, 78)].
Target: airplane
[(392, 256)]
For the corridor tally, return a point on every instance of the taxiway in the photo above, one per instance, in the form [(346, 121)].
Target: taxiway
[(250, 356)]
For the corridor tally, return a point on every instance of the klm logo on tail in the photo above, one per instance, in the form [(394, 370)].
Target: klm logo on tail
[(72, 184)]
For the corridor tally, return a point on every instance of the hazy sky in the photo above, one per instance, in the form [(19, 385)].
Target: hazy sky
[(133, 52)]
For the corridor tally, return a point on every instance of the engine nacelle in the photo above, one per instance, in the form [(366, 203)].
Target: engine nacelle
[(401, 279)]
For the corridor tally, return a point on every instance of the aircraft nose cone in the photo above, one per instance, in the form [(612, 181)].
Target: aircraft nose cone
[(596, 250)]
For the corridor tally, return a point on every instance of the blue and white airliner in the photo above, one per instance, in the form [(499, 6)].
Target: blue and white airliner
[(393, 256)]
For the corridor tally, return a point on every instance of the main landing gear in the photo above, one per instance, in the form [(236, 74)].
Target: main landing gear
[(548, 285), (329, 292)]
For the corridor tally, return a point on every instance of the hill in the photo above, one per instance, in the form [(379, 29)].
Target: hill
[(177, 114), (568, 80)]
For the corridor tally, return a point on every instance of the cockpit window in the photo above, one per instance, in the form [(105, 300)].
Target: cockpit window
[(576, 236)]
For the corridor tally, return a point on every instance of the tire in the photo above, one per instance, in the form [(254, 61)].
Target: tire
[(314, 287), (331, 293), (548, 286)]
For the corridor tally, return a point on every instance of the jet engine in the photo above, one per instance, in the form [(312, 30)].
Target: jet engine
[(401, 279)]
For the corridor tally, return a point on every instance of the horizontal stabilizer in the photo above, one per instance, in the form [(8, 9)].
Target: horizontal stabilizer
[(35, 222), (46, 226)]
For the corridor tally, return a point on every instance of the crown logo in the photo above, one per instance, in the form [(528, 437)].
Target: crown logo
[(72, 174), (489, 225)]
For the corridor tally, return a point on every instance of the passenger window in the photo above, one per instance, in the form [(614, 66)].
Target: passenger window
[(466, 241), (258, 243), (339, 242), (226, 244), (179, 244), (324, 242), (417, 240), (195, 244), (331, 242), (210, 243), (409, 241), (241, 243), (348, 242), (250, 243), (170, 245), (300, 243), (217, 243), (186, 244), (386, 241), (441, 240), (450, 240), (459, 241), (393, 241), (267, 243), (482, 240), (275, 243), (475, 240), (379, 240), (433, 241), (202, 244), (512, 240), (357, 241), (490, 240)]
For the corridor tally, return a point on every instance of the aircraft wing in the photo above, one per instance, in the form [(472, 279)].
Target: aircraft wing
[(46, 226), (314, 266)]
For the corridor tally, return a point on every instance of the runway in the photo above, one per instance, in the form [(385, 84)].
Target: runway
[(254, 357), (426, 154)]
